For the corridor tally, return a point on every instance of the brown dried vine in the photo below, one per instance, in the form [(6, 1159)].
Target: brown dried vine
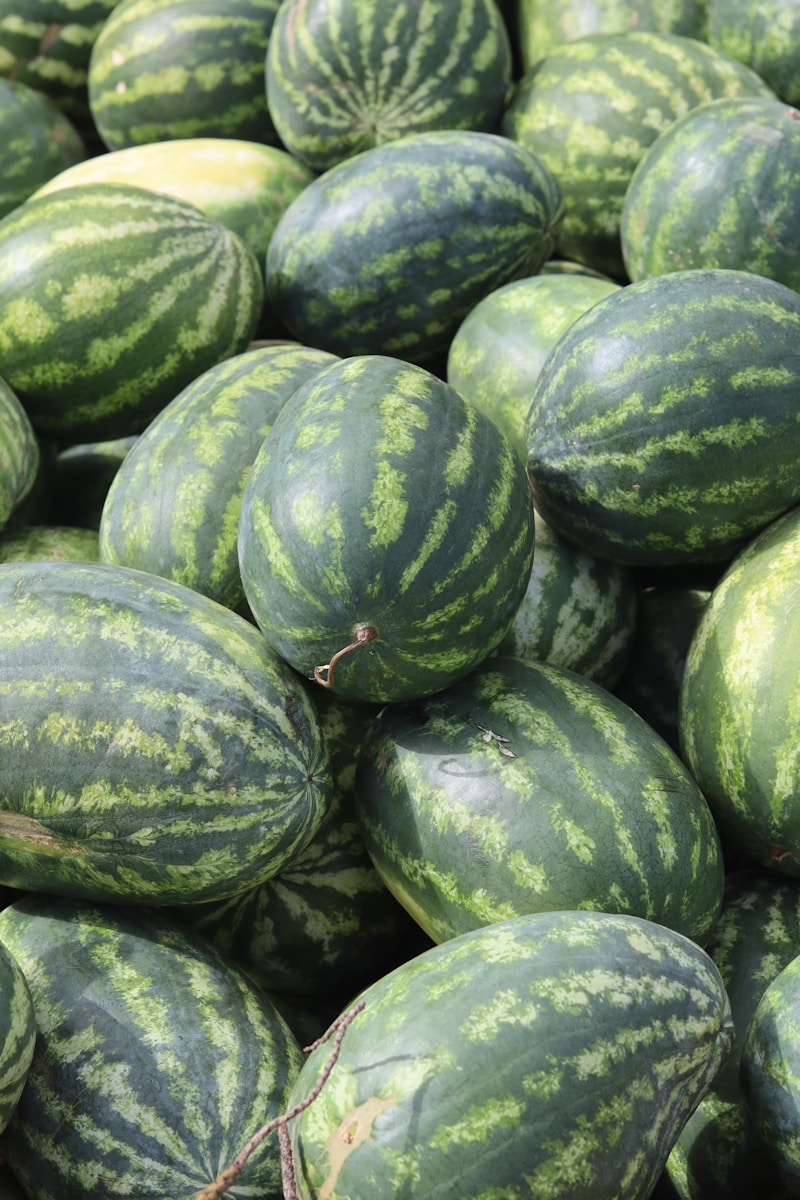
[(365, 634), (279, 1124)]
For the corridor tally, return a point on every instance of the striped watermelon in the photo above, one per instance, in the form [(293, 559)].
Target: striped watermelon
[(37, 141), (344, 75), (717, 189), (173, 506), (389, 250), (500, 347), (739, 708), (578, 611), (154, 1058), (17, 1033), (757, 935), (50, 543), (551, 1055), (528, 788), (662, 430), (47, 47), (152, 748), (20, 455), (592, 107), (112, 299), (164, 69), (764, 34), (386, 531), (246, 186)]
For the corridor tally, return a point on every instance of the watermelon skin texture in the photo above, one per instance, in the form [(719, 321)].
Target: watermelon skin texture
[(154, 749), (17, 1033), (20, 456), (52, 543), (382, 505), (112, 300), (717, 189), (591, 108), (762, 34), (388, 251), (527, 788), (37, 141), (550, 1055), (173, 506), (154, 1058), (662, 428), (345, 75), (181, 69), (738, 704)]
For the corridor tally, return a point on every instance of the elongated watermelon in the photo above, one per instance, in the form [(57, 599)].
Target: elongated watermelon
[(662, 429), (154, 1058), (550, 1055), (389, 250), (527, 788), (344, 75), (164, 69), (173, 506), (112, 299), (386, 531), (37, 141), (153, 749)]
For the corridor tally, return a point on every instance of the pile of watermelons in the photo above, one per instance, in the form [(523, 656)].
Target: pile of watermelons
[(399, 600)]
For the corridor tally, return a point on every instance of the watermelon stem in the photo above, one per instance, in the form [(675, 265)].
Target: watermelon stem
[(364, 634), (231, 1173)]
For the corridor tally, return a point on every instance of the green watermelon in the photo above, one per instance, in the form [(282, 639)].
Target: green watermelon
[(528, 788), (17, 1033), (164, 69), (50, 543), (757, 935), (578, 611), (739, 705), (500, 347), (764, 34), (386, 531), (173, 506), (551, 1055), (37, 141), (153, 749), (20, 456), (81, 476), (662, 429), (345, 75), (154, 1058), (47, 47), (112, 299), (389, 250), (717, 189), (591, 108)]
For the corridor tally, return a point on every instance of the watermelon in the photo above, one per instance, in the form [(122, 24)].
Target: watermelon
[(345, 75), (81, 475), (770, 1075), (152, 747), (552, 1055), (112, 299), (37, 141), (528, 788), (500, 347), (386, 531), (739, 703), (51, 543), (578, 611), (591, 108), (173, 69), (246, 186), (20, 456), (48, 48), (764, 34), (542, 25), (17, 1033), (717, 189), (662, 429), (173, 506), (389, 250), (757, 935), (154, 1057)]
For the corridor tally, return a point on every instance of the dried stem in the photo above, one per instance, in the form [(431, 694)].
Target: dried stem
[(231, 1173), (366, 633)]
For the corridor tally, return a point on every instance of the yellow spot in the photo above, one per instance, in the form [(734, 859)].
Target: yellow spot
[(351, 1132)]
